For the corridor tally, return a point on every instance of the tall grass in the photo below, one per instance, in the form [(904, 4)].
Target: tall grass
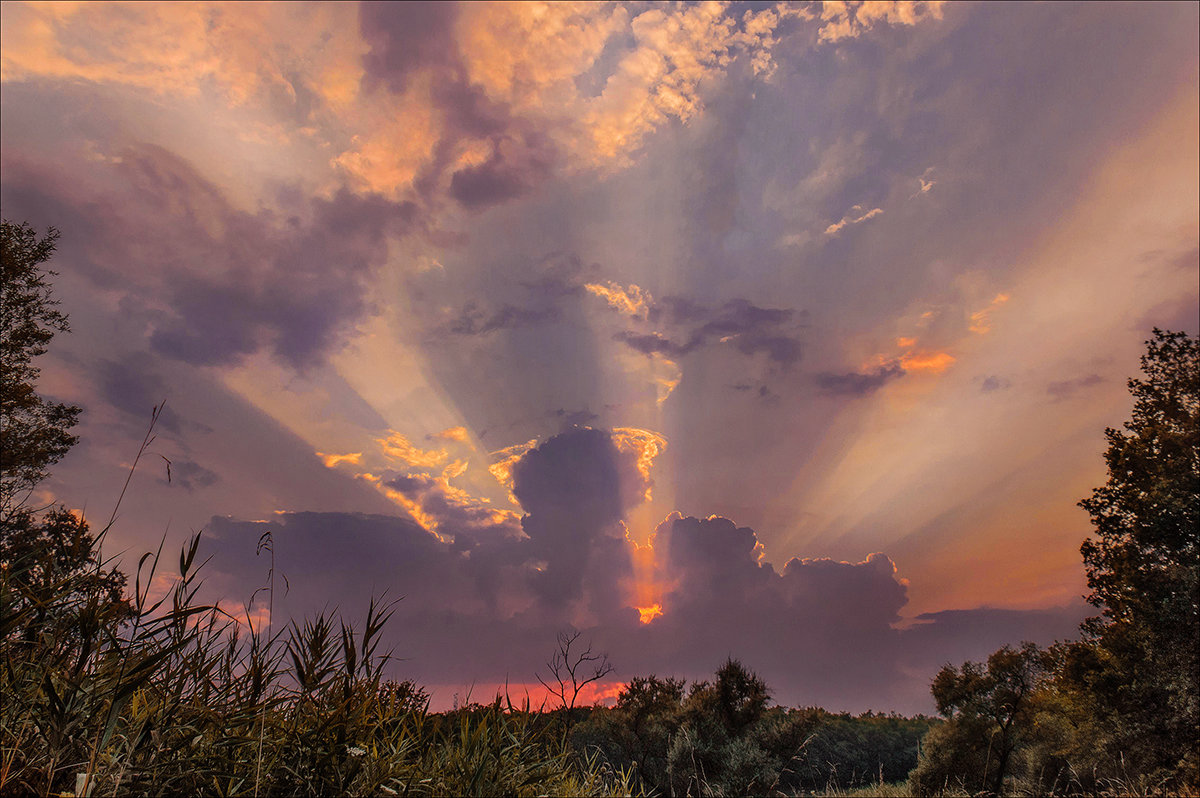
[(175, 696), (167, 695)]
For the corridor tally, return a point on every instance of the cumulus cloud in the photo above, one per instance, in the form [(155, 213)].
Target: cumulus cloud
[(842, 20), (482, 604), (214, 283)]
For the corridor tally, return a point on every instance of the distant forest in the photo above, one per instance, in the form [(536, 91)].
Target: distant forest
[(109, 690)]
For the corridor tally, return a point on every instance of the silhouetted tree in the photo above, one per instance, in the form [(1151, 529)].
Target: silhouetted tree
[(1141, 658), (34, 432), (571, 668)]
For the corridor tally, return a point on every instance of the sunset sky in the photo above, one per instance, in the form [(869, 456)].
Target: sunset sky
[(788, 332)]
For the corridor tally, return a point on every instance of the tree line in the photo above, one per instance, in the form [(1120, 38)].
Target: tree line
[(109, 689)]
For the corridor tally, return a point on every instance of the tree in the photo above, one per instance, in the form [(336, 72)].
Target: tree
[(1143, 564), (40, 554), (34, 432), (989, 711), (719, 748), (571, 671)]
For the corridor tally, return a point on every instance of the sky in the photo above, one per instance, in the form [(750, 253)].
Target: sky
[(783, 332)]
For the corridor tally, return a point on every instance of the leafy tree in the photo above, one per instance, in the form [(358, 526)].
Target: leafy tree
[(719, 747), (34, 432), (989, 711), (1143, 565)]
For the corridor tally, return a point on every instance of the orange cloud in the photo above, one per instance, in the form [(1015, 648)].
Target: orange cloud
[(332, 460), (934, 362), (981, 321), (454, 434), (666, 376), (645, 443), (845, 20), (502, 468), (398, 447), (648, 614), (632, 301)]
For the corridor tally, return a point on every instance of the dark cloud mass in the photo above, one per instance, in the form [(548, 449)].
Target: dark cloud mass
[(404, 37), (857, 383), (750, 328), (485, 608), (214, 283), (473, 321)]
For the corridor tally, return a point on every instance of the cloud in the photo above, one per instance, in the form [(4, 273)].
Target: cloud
[(856, 216), (846, 20), (994, 383), (459, 434), (857, 383), (405, 38), (216, 284), (136, 389), (190, 475), (482, 602), (1065, 389), (751, 329), (400, 449), (632, 301), (472, 321)]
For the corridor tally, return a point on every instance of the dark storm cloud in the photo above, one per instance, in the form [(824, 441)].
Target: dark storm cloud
[(1064, 389), (574, 489), (487, 608), (858, 383), (234, 282)]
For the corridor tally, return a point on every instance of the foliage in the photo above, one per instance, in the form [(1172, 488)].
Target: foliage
[(1143, 567), (1117, 711), (721, 738), (173, 696), (989, 711), (34, 433)]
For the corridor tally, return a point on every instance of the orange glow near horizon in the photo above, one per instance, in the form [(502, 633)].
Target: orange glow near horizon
[(523, 694)]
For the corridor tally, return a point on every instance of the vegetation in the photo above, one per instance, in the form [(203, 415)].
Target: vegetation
[(34, 433), (116, 690), (1117, 711)]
